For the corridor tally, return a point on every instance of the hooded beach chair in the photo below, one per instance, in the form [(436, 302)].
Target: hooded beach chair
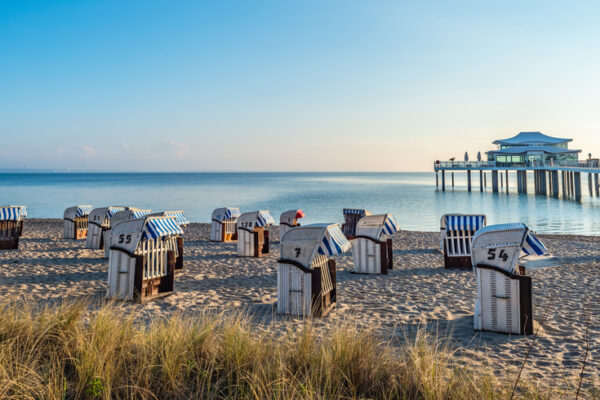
[(142, 257), (253, 237), (183, 222), (124, 215), (11, 226), (351, 218), (224, 224), (372, 245), (75, 222), (456, 235), (504, 301), (289, 220), (98, 223), (306, 276)]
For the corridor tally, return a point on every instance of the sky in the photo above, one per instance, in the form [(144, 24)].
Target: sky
[(336, 85)]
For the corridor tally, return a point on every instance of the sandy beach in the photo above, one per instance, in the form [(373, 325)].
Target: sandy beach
[(417, 292)]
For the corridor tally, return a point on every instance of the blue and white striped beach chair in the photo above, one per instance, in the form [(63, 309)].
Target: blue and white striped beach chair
[(351, 218), (11, 226), (504, 302), (253, 236), (306, 275), (224, 224), (142, 258), (372, 245), (75, 222), (456, 234), (183, 222)]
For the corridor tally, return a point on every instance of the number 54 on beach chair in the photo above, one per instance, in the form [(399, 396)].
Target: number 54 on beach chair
[(504, 302)]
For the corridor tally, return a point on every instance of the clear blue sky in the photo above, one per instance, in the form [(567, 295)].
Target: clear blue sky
[(283, 85)]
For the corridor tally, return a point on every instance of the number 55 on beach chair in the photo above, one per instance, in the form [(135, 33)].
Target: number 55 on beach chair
[(142, 258), (504, 301), (456, 234), (306, 275)]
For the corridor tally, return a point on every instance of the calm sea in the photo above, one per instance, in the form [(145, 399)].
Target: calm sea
[(411, 197)]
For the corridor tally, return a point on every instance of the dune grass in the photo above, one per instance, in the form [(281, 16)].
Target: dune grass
[(66, 352)]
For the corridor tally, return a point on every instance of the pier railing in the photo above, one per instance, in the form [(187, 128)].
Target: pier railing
[(492, 164)]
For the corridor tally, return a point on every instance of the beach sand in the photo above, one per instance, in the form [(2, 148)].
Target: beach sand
[(418, 292)]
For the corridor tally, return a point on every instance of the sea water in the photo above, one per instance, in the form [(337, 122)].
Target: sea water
[(412, 197)]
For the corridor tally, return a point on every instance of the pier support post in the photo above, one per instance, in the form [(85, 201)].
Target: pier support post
[(555, 188), (469, 180), (481, 181), (590, 188), (572, 181), (519, 183), (577, 184), (452, 179), (501, 180), (495, 181), (544, 182), (506, 181), (443, 180), (597, 184), (437, 180), (485, 180), (563, 176), (536, 182)]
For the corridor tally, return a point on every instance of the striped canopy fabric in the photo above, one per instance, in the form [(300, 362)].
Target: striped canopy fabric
[(464, 222), (113, 210), (83, 211), (140, 213), (232, 212), (390, 226), (334, 242), (159, 227), (533, 246), (10, 213), (264, 218), (23, 211), (179, 217)]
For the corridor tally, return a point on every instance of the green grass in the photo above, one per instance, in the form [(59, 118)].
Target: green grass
[(66, 352)]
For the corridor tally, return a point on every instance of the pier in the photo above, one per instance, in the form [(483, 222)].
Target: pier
[(560, 181), (556, 169)]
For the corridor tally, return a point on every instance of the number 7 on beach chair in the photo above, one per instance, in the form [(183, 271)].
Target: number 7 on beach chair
[(456, 235)]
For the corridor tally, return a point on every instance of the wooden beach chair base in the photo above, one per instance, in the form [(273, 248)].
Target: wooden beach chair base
[(150, 289), (456, 262), (9, 243), (80, 234), (179, 260)]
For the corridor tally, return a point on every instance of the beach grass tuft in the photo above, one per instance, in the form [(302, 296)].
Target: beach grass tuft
[(67, 352)]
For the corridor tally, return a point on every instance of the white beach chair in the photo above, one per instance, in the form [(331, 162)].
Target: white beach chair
[(125, 215), (289, 220), (253, 237), (142, 257), (456, 235), (372, 245), (75, 222), (351, 218), (306, 277), (98, 223), (11, 226), (224, 224), (504, 301)]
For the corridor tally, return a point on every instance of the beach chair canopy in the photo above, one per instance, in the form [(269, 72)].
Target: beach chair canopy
[(288, 217), (12, 213), (462, 222), (126, 235), (377, 226), (302, 244), (23, 210), (224, 213), (131, 213), (113, 210), (179, 217), (255, 219), (77, 212), (98, 215), (356, 211), (503, 245)]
